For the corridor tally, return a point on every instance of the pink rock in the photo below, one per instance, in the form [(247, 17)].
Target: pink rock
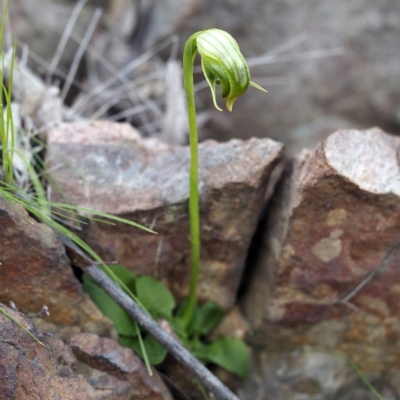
[(117, 172), (334, 219)]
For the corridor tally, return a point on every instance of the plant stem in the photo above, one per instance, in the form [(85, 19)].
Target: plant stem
[(194, 213)]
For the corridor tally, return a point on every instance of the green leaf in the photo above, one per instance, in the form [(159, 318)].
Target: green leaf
[(156, 353), (124, 274), (178, 327), (198, 348), (205, 319), (229, 353), (122, 321), (155, 297)]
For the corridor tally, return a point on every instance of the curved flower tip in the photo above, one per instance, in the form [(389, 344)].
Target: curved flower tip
[(223, 63)]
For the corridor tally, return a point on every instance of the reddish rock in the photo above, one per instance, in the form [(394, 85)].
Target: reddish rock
[(32, 372), (35, 271), (335, 217), (147, 181), (106, 355)]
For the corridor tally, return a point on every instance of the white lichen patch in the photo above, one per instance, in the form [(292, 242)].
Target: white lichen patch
[(327, 249), (367, 158)]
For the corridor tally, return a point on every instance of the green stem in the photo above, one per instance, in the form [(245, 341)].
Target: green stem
[(194, 213)]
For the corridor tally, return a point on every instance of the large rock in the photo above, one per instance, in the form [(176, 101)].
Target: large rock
[(35, 271), (320, 60), (307, 375), (90, 368), (117, 172), (335, 217), (311, 375), (107, 355)]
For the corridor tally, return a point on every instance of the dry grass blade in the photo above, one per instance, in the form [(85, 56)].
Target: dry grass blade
[(45, 65), (125, 71), (301, 56), (64, 39), (9, 316), (81, 51)]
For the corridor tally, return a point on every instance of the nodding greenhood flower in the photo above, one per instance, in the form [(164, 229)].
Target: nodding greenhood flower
[(223, 64)]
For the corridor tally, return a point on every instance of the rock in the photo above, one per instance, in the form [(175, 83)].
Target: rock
[(233, 324), (117, 172), (35, 271), (394, 380), (307, 375), (309, 134), (30, 371), (335, 217), (319, 61), (106, 355)]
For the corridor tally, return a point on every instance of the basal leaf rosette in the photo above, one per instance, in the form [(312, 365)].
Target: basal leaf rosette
[(223, 64)]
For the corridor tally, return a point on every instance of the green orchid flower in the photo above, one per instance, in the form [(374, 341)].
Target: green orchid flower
[(223, 64)]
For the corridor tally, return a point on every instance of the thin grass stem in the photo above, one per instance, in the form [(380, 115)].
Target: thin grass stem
[(9, 316)]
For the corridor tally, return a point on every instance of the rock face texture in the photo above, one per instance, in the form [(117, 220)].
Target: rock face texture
[(290, 376), (316, 60), (117, 172), (325, 67), (35, 271), (107, 355), (91, 368), (311, 375), (329, 275), (127, 21)]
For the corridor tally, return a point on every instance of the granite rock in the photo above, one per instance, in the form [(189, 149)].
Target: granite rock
[(297, 375), (117, 172), (329, 273), (310, 374)]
